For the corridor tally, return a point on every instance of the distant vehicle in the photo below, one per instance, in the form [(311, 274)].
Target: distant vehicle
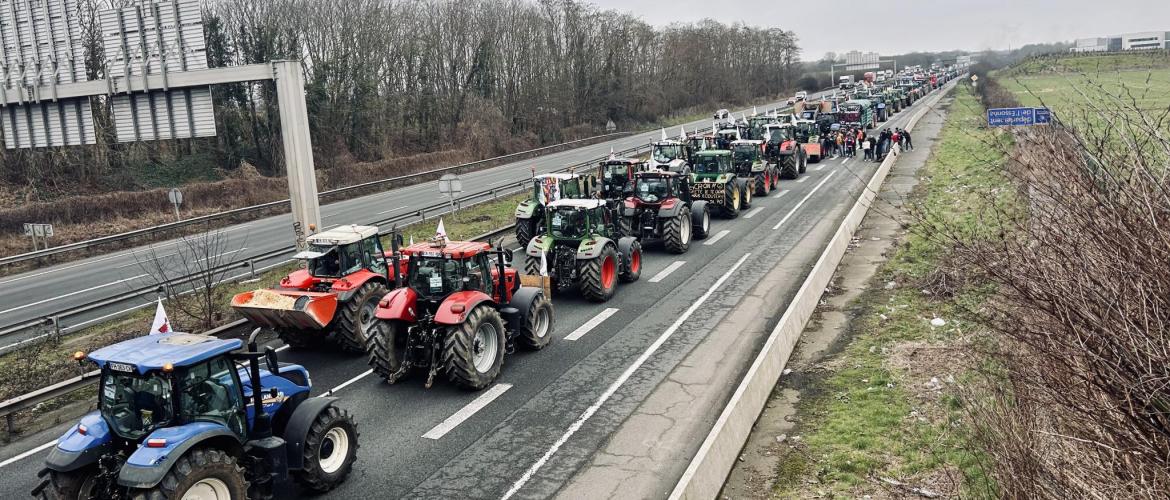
[(722, 114), (845, 82), (801, 96)]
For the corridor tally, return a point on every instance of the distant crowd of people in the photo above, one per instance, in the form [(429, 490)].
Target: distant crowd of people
[(848, 140)]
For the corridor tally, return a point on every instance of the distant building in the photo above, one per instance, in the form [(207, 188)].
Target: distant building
[(857, 60), (1130, 41), (1091, 45), (1144, 41)]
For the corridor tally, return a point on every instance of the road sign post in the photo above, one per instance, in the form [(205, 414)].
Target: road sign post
[(176, 198), (44, 231), (450, 185)]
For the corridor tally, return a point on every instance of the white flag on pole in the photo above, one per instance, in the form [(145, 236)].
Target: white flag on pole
[(543, 264), (441, 232), (412, 240), (161, 323)]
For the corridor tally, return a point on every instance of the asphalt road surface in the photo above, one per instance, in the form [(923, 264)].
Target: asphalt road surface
[(44, 292), (512, 438)]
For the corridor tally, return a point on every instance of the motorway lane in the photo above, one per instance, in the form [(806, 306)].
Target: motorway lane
[(487, 453), (43, 292)]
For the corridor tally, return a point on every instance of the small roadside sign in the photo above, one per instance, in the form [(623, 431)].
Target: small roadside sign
[(176, 198), (1013, 117), (450, 185), (42, 231)]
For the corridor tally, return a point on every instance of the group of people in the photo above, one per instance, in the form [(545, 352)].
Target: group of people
[(848, 140)]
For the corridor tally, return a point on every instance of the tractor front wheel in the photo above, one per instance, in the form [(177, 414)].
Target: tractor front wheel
[(357, 317), (803, 164), (701, 220), (745, 191), (677, 232), (788, 167), (536, 332), (204, 474), (599, 275), (330, 450), (632, 263), (73, 485), (386, 348), (763, 184), (731, 200), (473, 352)]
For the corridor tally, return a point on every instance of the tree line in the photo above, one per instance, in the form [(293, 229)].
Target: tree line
[(388, 78)]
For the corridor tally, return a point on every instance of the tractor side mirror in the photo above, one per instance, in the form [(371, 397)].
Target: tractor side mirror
[(508, 256), (252, 338), (270, 360)]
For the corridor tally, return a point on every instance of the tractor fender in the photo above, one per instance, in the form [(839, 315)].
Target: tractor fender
[(527, 209), (670, 208), (147, 466), (629, 207), (522, 301), (76, 450), (469, 299), (298, 428), (347, 286), (625, 247), (592, 248), (536, 246), (399, 304)]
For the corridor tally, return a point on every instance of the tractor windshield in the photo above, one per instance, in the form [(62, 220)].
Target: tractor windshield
[(652, 189), (435, 276), (616, 171), (568, 223), (707, 165), (135, 405), (779, 134), (666, 152), (335, 261), (746, 153)]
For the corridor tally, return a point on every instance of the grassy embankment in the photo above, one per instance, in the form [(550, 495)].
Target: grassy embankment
[(870, 415), (1074, 86)]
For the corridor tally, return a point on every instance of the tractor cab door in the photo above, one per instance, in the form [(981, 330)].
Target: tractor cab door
[(373, 257), (478, 274), (211, 391)]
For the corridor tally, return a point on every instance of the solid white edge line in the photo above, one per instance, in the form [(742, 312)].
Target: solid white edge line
[(28, 453), (801, 203), (621, 380), (753, 212), (348, 382), (666, 272), (59, 297), (392, 209), (718, 236), (592, 323), (467, 411)]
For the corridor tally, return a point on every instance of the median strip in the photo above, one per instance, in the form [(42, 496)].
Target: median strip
[(466, 412), (592, 323)]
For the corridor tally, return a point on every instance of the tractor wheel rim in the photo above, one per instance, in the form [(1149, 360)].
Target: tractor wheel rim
[(706, 222), (684, 230), (209, 488), (334, 448), (735, 200), (540, 329), (635, 261), (607, 273), (485, 347), (366, 316)]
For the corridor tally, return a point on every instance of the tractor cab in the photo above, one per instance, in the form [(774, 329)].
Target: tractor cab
[(576, 219), (342, 251), (779, 134), (712, 163), (669, 155), (438, 269), (701, 142), (756, 126), (807, 131), (547, 188), (747, 156), (725, 136), (652, 188), (617, 176)]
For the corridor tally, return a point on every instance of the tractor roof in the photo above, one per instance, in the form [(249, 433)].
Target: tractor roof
[(657, 173), (452, 249), (343, 235), (713, 152), (562, 176), (747, 141), (152, 352), (621, 161), (577, 203), (777, 125)]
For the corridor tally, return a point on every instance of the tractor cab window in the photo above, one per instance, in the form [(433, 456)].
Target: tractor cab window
[(327, 265), (707, 165), (571, 188), (568, 222), (373, 255), (746, 153), (135, 405), (616, 172), (666, 152), (435, 276), (351, 258), (211, 392), (652, 189), (478, 274)]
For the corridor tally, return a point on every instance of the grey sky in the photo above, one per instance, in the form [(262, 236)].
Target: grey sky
[(912, 25)]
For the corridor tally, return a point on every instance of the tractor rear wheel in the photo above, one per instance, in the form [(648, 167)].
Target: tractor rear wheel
[(525, 230), (473, 352), (300, 340), (632, 263), (536, 332), (330, 450), (599, 275), (676, 232), (745, 193), (731, 200), (532, 265), (763, 184), (386, 348), (803, 163), (203, 473), (73, 485), (788, 167), (357, 317)]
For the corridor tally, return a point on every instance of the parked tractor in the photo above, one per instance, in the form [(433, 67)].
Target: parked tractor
[(662, 208), (808, 134), (714, 181), (671, 155), (783, 151), (583, 247), (333, 297), (460, 309), (617, 177), (548, 188), (758, 175), (191, 416)]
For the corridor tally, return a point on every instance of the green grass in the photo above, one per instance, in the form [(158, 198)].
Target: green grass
[(858, 422)]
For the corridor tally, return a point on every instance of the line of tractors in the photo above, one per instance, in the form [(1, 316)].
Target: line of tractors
[(198, 417)]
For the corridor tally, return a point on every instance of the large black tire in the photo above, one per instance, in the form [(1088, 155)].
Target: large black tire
[(300, 340), (599, 275), (536, 332), (201, 466), (74, 485), (632, 264), (763, 184), (676, 232), (745, 193), (356, 317), (386, 349), (525, 230), (788, 167), (532, 265), (775, 178), (803, 163), (473, 352), (701, 221), (330, 450), (731, 200)]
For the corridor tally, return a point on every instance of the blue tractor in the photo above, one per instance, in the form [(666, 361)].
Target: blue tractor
[(177, 419)]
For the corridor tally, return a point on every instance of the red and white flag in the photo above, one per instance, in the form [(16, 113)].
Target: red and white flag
[(161, 324), (441, 232)]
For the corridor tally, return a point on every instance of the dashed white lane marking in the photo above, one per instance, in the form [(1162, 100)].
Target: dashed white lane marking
[(59, 297), (466, 412), (801, 203), (392, 209), (666, 272), (28, 453), (782, 193), (846, 161), (592, 323), (621, 380), (802, 179), (718, 236), (754, 212), (822, 167)]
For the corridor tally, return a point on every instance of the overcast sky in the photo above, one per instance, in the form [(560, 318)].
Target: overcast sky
[(917, 25)]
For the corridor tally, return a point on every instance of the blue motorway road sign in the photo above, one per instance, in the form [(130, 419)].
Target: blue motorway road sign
[(1006, 117), (1043, 116)]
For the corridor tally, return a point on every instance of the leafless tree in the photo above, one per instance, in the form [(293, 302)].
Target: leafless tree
[(189, 273)]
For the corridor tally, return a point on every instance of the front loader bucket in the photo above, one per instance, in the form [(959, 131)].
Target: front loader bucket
[(286, 309)]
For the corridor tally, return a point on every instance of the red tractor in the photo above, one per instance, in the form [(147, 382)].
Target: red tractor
[(457, 313), (333, 297)]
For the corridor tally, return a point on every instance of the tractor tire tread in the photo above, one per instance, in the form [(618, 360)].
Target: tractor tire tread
[(193, 466), (458, 350), (384, 357), (672, 237), (311, 476), (347, 332), (591, 285)]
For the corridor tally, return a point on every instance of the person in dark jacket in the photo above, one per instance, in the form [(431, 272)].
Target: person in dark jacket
[(909, 142)]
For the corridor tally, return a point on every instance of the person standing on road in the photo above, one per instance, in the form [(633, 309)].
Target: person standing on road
[(865, 147), (895, 139), (909, 141)]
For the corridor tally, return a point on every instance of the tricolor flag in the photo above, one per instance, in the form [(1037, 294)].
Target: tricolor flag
[(161, 323)]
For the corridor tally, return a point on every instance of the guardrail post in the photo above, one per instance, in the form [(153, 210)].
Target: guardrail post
[(493, 194), (252, 267), (422, 217), (9, 424), (57, 328)]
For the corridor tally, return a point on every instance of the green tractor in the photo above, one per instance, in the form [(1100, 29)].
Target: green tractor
[(546, 189), (714, 180), (582, 247), (748, 158), (757, 125)]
